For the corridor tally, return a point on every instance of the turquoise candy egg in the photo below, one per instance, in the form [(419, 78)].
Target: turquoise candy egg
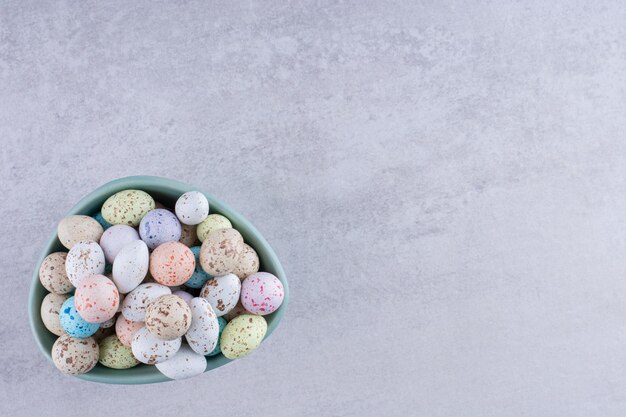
[(73, 323), (199, 277), (218, 349), (105, 225)]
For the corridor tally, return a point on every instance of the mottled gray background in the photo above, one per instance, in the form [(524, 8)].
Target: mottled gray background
[(444, 182)]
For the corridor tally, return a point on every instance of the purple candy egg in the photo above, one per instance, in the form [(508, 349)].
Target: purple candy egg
[(159, 226)]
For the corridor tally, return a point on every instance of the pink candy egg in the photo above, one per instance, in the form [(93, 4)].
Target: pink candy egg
[(126, 329), (96, 299), (262, 293)]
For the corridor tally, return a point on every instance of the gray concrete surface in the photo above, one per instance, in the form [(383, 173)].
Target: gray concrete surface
[(443, 181)]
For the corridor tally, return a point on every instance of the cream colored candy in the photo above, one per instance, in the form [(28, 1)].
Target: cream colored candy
[(220, 251), (114, 354), (236, 312), (50, 307), (103, 332), (52, 274), (126, 329), (211, 223), (127, 207), (248, 262), (75, 228), (188, 236), (168, 317), (75, 356), (242, 335)]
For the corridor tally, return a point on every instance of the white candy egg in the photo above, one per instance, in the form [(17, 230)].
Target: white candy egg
[(182, 294), (192, 208), (84, 259), (203, 333), (131, 266), (222, 293), (150, 350), (115, 238), (136, 302), (185, 364)]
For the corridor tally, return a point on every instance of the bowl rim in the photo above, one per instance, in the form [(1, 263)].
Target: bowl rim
[(161, 183)]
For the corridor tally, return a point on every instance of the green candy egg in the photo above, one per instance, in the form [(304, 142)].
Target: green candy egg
[(113, 354), (127, 207), (211, 223), (242, 335)]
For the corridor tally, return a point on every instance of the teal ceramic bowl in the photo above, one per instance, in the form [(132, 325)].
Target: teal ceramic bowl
[(167, 192)]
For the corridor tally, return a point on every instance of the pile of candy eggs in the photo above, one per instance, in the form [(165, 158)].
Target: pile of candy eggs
[(142, 284)]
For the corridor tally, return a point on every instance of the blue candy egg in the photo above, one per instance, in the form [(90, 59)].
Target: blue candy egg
[(159, 226), (105, 225), (199, 277), (73, 323), (218, 349)]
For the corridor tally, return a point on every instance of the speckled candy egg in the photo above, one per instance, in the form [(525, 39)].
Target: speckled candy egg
[(172, 263), (101, 333), (242, 335), (236, 312), (220, 251), (127, 207), (262, 293), (136, 302), (131, 266), (159, 226), (199, 277), (185, 364), (211, 223), (126, 329), (248, 262), (72, 323), (222, 293), (110, 322), (97, 299), (84, 259), (184, 295), (52, 274), (218, 349), (188, 236), (114, 354), (203, 333), (50, 307), (76, 228), (192, 208), (168, 317), (75, 356), (115, 238), (150, 350)]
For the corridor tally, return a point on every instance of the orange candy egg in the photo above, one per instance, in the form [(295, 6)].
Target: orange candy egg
[(172, 263)]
